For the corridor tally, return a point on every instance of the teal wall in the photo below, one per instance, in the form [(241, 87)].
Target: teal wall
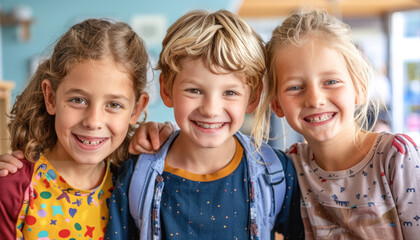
[(54, 17)]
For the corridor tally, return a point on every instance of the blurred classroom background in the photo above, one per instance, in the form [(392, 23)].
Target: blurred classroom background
[(388, 31)]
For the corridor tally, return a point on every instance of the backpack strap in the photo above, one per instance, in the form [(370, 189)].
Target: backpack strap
[(275, 176), (142, 183), (141, 179)]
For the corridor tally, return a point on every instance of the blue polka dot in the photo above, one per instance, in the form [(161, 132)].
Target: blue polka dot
[(43, 234)]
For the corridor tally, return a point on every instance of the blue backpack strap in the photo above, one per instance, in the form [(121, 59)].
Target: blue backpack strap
[(275, 176), (141, 180)]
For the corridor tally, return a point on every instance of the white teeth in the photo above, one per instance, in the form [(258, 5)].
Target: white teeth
[(210, 126), (319, 119)]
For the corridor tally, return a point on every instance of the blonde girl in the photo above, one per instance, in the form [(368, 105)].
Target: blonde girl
[(74, 120), (354, 184)]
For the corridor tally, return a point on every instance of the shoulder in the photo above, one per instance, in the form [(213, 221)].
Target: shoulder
[(400, 144), (403, 143), (22, 177), (299, 153), (14, 186), (127, 167)]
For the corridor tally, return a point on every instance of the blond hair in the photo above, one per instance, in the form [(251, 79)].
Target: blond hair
[(220, 39), (32, 128), (329, 29)]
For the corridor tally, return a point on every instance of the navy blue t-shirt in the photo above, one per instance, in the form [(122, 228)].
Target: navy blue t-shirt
[(211, 206)]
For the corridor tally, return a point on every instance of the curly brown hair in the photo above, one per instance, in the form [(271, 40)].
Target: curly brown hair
[(32, 129)]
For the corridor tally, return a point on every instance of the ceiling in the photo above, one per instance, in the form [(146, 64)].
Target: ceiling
[(344, 8)]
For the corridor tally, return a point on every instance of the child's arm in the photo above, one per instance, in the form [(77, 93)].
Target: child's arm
[(149, 137), (10, 163)]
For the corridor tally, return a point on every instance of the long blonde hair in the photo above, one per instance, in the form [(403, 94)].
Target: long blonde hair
[(32, 129), (334, 32)]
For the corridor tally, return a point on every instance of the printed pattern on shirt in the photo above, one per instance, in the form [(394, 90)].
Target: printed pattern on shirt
[(375, 199), (53, 209)]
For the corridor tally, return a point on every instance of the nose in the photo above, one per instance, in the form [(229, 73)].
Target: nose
[(314, 97), (210, 106), (94, 118)]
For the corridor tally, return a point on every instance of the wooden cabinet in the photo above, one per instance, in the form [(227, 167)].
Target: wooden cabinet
[(5, 101)]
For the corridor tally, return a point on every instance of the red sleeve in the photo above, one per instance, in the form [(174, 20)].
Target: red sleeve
[(12, 189)]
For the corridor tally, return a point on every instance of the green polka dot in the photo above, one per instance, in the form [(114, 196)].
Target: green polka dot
[(43, 206), (45, 195), (77, 226)]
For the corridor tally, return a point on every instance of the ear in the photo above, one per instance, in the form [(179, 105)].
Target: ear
[(164, 94), (275, 106), (49, 96), (252, 105), (139, 108)]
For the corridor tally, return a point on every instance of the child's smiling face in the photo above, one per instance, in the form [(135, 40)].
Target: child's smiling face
[(93, 107), (315, 91), (209, 108)]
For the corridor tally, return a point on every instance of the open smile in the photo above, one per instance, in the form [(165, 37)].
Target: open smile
[(319, 118), (209, 125), (90, 141)]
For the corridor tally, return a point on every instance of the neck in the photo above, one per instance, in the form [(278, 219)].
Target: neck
[(200, 160), (80, 176), (342, 152)]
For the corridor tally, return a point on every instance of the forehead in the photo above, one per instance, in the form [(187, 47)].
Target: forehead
[(313, 54), (98, 75), (197, 70)]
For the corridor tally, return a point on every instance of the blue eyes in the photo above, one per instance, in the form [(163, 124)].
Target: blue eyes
[(331, 82), (299, 87), (294, 88)]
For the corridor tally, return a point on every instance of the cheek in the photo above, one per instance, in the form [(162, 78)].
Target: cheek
[(119, 124)]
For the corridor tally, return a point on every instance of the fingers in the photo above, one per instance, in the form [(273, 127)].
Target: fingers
[(154, 135), (9, 163), (149, 137), (4, 172), (18, 154), (140, 142), (164, 134)]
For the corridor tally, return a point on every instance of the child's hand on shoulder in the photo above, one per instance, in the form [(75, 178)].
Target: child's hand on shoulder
[(149, 137), (10, 163)]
